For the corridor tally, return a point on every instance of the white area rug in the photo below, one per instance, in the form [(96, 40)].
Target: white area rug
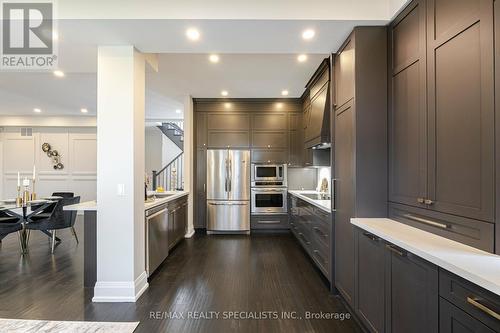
[(37, 326)]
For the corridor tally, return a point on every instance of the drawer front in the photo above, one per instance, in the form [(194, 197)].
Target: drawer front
[(320, 255), (477, 302), (269, 222), (321, 232), (475, 233), (454, 320)]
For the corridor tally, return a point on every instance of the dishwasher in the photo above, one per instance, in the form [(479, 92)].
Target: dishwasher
[(156, 237)]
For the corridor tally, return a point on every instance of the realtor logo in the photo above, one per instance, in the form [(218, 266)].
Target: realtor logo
[(28, 36)]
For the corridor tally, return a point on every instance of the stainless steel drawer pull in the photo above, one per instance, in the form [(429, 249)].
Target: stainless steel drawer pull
[(396, 250), (476, 303), (371, 236), (269, 221), (425, 221), (305, 240), (316, 252)]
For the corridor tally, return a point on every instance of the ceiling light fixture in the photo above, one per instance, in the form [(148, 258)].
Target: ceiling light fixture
[(84, 110), (214, 58), (224, 93), (37, 110), (308, 34), (302, 57), (193, 34), (59, 73), (177, 111), (284, 93)]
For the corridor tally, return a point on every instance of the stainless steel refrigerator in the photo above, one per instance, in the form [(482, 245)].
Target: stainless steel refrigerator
[(228, 191)]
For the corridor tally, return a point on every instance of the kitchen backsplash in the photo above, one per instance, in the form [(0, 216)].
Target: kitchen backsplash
[(302, 178)]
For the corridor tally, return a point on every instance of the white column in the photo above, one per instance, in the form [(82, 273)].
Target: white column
[(188, 160), (121, 275)]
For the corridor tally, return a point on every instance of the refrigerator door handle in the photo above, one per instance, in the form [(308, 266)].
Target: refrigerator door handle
[(225, 180), (230, 174)]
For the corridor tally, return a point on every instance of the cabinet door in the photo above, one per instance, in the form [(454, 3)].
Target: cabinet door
[(269, 156), (296, 140), (344, 201), (272, 122), (370, 281), (412, 299), (268, 139), (201, 130), (171, 226), (201, 181), (344, 73), (454, 320), (461, 108), (408, 109)]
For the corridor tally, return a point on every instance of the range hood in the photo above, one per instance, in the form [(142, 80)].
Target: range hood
[(317, 129)]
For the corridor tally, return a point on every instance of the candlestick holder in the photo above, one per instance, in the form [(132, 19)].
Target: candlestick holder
[(33, 193), (26, 196), (19, 199)]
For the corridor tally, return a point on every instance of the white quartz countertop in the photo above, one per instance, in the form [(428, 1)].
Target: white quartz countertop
[(477, 266), (92, 205), (162, 200), (326, 205), (82, 206)]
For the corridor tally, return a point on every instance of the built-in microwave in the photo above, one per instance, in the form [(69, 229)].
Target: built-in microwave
[(268, 173)]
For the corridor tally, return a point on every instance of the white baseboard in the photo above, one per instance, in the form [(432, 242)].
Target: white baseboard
[(119, 291), (190, 233)]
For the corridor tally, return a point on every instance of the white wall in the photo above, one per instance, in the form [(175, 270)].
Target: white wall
[(154, 150), (77, 147)]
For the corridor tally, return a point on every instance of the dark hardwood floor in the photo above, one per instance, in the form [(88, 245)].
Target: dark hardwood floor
[(225, 274)]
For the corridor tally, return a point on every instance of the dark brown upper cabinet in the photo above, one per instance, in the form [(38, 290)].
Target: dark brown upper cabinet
[(201, 130), (461, 120), (269, 122), (442, 130), (344, 75), (407, 107)]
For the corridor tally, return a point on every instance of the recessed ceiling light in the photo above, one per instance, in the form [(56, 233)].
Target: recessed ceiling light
[(214, 58), (284, 93), (308, 34), (302, 57), (177, 111), (224, 93), (37, 110), (59, 73), (84, 110), (193, 34)]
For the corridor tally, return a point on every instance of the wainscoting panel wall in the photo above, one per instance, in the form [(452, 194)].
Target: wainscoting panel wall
[(78, 150)]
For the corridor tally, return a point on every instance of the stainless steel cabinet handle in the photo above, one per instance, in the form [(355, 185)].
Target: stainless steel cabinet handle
[(371, 236), (334, 194), (425, 221), (396, 250), (269, 221), (305, 240), (477, 303), (316, 252), (319, 232)]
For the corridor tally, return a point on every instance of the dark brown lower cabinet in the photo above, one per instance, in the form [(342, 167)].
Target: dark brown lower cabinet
[(412, 293), (370, 281), (177, 221), (454, 320)]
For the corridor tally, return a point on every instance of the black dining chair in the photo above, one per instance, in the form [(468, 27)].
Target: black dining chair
[(57, 219), (63, 194), (8, 225)]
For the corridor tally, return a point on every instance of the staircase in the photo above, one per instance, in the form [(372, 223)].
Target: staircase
[(171, 176)]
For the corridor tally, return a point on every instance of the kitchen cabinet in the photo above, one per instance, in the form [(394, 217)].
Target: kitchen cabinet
[(269, 156), (317, 116), (407, 106), (441, 118), (268, 139), (370, 280), (177, 221), (201, 129), (296, 141), (312, 228), (200, 205), (228, 121), (269, 122), (269, 222), (412, 293), (461, 128), (454, 320), (360, 141), (231, 139)]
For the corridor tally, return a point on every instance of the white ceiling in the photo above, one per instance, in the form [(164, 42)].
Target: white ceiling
[(258, 43)]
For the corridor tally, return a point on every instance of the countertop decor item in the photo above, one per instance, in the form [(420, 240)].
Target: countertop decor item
[(54, 155)]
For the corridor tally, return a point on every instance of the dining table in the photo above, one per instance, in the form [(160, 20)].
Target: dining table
[(24, 213)]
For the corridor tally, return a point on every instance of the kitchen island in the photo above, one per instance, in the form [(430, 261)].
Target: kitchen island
[(90, 209)]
